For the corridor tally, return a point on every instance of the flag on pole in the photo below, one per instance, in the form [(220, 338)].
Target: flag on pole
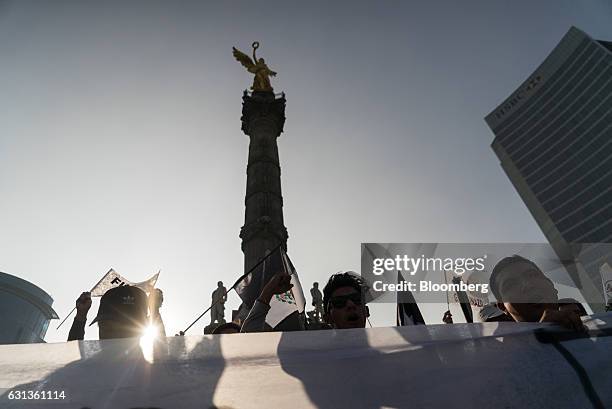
[(292, 301), (249, 286), (464, 301), (114, 279), (408, 312), (606, 280)]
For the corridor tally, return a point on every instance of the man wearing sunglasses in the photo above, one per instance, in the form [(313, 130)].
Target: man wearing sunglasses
[(342, 302)]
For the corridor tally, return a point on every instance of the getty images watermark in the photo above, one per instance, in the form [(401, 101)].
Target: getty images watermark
[(430, 272), (406, 265), (449, 272)]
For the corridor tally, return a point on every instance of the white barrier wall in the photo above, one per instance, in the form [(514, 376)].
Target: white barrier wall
[(492, 365)]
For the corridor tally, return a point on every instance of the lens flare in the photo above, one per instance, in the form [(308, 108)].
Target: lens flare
[(147, 342)]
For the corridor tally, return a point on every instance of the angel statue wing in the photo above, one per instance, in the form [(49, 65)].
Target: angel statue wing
[(244, 59), (257, 66)]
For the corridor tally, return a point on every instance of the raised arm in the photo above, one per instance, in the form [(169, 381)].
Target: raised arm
[(83, 304), (256, 320)]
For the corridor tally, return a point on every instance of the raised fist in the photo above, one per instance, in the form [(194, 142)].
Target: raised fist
[(448, 317), (278, 284), (83, 304)]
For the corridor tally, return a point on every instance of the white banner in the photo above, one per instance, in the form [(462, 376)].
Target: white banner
[(114, 279), (491, 365)]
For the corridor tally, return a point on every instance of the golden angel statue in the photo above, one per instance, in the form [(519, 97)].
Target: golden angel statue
[(259, 68)]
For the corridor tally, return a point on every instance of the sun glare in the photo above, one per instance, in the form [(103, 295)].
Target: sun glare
[(150, 332), (147, 342)]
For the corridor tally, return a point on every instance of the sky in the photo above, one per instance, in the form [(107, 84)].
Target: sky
[(120, 140)]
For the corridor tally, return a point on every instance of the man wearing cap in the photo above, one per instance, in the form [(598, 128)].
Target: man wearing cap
[(525, 294), (122, 314)]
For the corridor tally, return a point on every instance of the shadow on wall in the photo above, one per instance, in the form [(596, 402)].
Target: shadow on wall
[(452, 366), (120, 374)]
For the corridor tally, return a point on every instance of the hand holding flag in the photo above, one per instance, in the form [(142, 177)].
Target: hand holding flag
[(285, 298), (280, 283), (109, 280), (83, 304), (274, 281)]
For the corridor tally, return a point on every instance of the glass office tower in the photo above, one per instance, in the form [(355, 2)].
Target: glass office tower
[(553, 136), (25, 311)]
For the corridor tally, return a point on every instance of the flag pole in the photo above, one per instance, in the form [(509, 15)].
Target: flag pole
[(464, 302), (69, 314), (201, 315), (286, 262), (181, 333), (446, 282), (286, 267), (264, 258)]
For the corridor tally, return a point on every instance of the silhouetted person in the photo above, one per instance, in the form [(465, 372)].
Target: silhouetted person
[(156, 299), (83, 304), (219, 297), (317, 302), (122, 314), (344, 301), (525, 294)]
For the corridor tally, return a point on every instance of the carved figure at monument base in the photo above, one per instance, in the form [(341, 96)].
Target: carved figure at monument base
[(219, 297), (317, 302)]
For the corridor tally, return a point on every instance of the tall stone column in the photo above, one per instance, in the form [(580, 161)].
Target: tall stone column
[(263, 117)]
